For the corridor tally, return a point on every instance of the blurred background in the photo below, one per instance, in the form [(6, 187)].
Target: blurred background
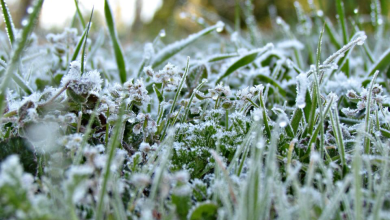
[(142, 20)]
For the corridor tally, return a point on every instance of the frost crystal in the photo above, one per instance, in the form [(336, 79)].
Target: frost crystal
[(144, 147), (137, 92), (169, 76), (82, 84), (220, 90)]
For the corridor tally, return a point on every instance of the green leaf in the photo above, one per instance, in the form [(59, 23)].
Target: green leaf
[(244, 60), (183, 205), (204, 211), (9, 24), (176, 47), (21, 147), (120, 61), (308, 106), (158, 93), (296, 118)]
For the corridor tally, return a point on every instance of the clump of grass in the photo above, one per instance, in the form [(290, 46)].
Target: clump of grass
[(248, 129)]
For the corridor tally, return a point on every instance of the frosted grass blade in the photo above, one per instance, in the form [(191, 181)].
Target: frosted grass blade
[(183, 79), (120, 61), (9, 24), (244, 60), (220, 57), (172, 49), (19, 48), (367, 125)]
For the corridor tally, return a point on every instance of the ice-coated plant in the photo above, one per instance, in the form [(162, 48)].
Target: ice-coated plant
[(219, 125)]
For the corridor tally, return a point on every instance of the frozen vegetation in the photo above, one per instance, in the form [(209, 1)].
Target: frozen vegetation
[(292, 123)]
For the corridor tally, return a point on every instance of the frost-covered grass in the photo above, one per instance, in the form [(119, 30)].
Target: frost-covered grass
[(292, 124)]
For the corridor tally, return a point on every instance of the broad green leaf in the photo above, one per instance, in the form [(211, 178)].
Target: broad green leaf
[(295, 120), (204, 211), (183, 205), (308, 106), (120, 61), (21, 147), (244, 60), (158, 93)]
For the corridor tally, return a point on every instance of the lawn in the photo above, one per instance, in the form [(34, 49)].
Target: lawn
[(226, 123)]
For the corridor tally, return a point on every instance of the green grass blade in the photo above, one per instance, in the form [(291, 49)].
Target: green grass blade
[(114, 142), (341, 14), (367, 117), (79, 14), (312, 115), (187, 110), (265, 116), (183, 79), (267, 80), (331, 33), (317, 75), (176, 47), (85, 43), (78, 46), (382, 63), (16, 54), (9, 24), (120, 61), (295, 120), (244, 60), (219, 57), (338, 134)]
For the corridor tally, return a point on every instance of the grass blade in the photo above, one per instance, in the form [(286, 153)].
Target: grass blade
[(382, 63), (19, 48), (85, 43), (367, 117), (317, 85), (176, 47), (79, 14), (78, 46), (340, 12), (9, 24), (183, 79), (114, 141), (120, 61), (244, 60)]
